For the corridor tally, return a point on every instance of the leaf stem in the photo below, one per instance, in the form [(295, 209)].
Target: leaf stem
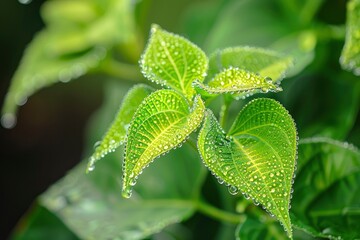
[(121, 70), (224, 111), (309, 10), (219, 214)]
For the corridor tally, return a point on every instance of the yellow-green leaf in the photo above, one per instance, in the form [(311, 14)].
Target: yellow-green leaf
[(116, 134), (236, 81), (266, 63), (162, 122), (173, 61), (350, 56), (256, 157)]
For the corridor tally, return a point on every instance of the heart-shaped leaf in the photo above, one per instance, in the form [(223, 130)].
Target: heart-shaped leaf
[(350, 56), (116, 134), (173, 61), (257, 157), (236, 81), (264, 62), (162, 122)]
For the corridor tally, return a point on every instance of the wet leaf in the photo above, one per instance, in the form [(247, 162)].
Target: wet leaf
[(254, 229), (350, 56), (264, 62), (326, 195), (236, 81), (257, 156), (173, 61), (116, 134), (90, 205), (162, 122)]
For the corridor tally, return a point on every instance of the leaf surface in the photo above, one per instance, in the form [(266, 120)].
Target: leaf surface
[(326, 191), (257, 156), (116, 134), (90, 205), (173, 61), (236, 81), (350, 56), (162, 122), (66, 52), (264, 62)]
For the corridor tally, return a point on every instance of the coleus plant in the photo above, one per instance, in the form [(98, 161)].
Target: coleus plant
[(256, 157)]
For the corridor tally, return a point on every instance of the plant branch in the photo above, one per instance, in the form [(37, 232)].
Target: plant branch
[(219, 214), (309, 10), (121, 70), (224, 111)]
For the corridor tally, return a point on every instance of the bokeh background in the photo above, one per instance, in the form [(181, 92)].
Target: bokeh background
[(49, 136)]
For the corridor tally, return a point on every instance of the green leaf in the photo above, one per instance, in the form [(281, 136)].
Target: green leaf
[(90, 205), (254, 229), (42, 224), (69, 12), (350, 56), (116, 134), (60, 54), (326, 195), (39, 69), (257, 156), (173, 61), (264, 62), (236, 81), (162, 122)]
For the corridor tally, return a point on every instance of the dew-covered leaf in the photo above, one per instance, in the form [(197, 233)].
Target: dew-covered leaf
[(350, 56), (236, 81), (116, 134), (255, 229), (264, 62), (90, 205), (173, 61), (257, 157), (162, 122), (326, 196)]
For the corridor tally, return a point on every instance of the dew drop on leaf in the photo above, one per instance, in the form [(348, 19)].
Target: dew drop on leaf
[(8, 120), (233, 190)]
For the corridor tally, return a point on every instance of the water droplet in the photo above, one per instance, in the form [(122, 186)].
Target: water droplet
[(126, 192), (8, 120), (91, 167), (25, 2), (233, 190), (97, 144)]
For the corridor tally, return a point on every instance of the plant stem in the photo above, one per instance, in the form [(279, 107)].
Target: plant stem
[(192, 144), (224, 111), (121, 70), (309, 10), (219, 214)]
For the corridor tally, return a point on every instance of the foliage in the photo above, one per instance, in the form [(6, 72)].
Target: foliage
[(246, 51)]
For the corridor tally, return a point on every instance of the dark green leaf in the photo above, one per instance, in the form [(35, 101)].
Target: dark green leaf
[(257, 156), (254, 229), (173, 61), (326, 191), (42, 224)]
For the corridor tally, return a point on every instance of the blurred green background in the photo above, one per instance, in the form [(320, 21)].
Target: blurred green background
[(49, 136)]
